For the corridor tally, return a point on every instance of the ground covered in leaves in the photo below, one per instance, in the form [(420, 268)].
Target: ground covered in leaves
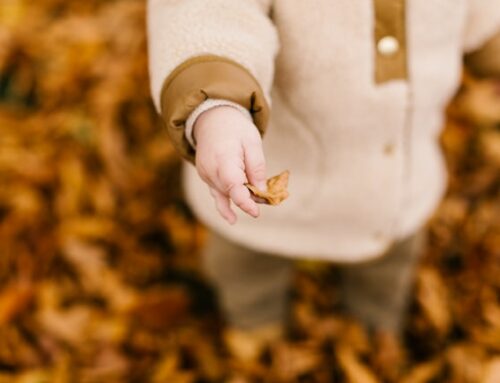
[(99, 275)]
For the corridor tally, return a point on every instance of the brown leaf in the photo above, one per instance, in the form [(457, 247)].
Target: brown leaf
[(168, 370), (159, 308), (481, 102), (67, 325), (432, 296), (492, 374), (388, 357), (14, 299), (355, 371), (466, 362), (276, 189), (109, 365), (292, 360), (424, 373)]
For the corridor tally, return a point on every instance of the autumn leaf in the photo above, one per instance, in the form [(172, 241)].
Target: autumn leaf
[(276, 190)]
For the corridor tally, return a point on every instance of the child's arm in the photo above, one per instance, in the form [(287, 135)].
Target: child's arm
[(217, 49)]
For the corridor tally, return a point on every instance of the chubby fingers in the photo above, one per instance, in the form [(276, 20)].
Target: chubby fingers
[(227, 171), (231, 182), (242, 198), (255, 164), (223, 206)]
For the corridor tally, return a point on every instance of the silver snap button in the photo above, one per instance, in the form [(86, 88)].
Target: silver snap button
[(388, 45)]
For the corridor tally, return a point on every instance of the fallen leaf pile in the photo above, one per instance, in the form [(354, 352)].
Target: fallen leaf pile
[(276, 189), (99, 270)]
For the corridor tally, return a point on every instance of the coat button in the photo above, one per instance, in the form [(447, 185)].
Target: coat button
[(387, 45), (389, 149)]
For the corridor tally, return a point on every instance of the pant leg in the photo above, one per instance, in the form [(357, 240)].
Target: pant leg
[(253, 287), (377, 292)]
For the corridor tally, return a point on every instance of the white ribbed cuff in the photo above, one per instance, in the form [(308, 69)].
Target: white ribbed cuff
[(203, 107)]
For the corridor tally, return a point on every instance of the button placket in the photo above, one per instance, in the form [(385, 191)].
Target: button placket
[(390, 40)]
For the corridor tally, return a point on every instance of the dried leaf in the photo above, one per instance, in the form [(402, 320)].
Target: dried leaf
[(467, 363), (433, 298), (14, 299), (492, 374), (424, 373), (161, 307), (168, 371), (276, 189), (355, 371), (291, 361)]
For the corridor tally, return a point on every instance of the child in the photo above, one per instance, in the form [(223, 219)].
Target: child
[(358, 90)]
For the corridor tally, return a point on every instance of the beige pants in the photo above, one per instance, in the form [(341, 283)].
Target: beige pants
[(253, 287)]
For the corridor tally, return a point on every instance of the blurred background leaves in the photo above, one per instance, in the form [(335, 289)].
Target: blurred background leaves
[(99, 274)]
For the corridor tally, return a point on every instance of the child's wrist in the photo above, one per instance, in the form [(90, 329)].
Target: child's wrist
[(205, 107), (218, 116)]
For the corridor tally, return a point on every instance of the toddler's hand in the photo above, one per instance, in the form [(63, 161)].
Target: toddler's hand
[(228, 155)]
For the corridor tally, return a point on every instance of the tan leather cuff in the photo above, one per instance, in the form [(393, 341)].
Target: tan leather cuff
[(205, 77), (486, 61)]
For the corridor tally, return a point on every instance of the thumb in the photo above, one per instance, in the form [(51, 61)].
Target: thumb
[(255, 165)]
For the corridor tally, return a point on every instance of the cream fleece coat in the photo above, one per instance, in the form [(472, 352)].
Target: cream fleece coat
[(365, 162)]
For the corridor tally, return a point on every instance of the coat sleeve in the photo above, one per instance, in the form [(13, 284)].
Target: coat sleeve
[(482, 37), (218, 49)]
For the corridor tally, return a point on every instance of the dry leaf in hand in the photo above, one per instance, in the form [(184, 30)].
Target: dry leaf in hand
[(276, 190)]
